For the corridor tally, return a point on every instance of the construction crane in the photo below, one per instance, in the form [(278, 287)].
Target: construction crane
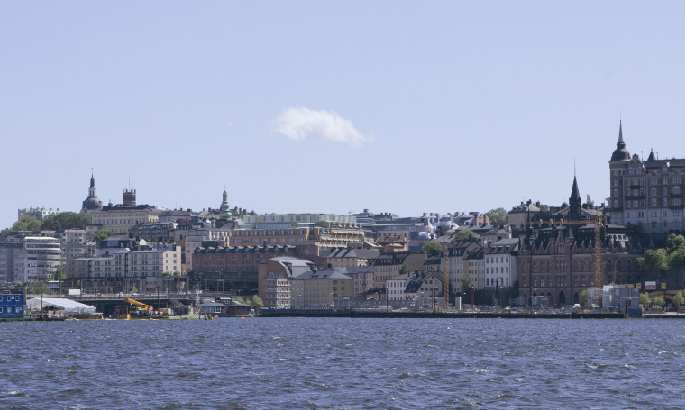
[(140, 305)]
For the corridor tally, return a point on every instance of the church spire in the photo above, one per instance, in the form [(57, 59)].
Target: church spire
[(621, 153), (224, 202), (575, 201), (620, 134)]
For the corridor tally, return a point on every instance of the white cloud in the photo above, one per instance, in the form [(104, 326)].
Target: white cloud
[(301, 123)]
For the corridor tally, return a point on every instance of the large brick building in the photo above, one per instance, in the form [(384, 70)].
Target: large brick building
[(233, 267), (560, 258)]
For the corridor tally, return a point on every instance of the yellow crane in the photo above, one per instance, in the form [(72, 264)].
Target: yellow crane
[(140, 305)]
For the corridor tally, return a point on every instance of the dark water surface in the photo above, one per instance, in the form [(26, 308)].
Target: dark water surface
[(342, 362)]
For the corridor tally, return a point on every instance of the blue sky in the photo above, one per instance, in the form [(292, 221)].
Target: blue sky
[(332, 106)]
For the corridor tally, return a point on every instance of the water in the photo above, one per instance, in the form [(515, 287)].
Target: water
[(342, 362)]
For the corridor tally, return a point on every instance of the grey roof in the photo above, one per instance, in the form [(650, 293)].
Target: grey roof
[(333, 273), (351, 253)]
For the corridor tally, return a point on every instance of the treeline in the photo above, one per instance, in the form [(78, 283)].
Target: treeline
[(58, 222), (667, 263)]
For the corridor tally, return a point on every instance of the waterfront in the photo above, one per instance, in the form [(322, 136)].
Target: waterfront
[(342, 362)]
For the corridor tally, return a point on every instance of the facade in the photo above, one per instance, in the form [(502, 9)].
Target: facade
[(157, 232), (233, 267), (391, 265), (324, 289), (560, 269), (118, 219), (465, 264), (500, 265), (313, 239), (281, 221), (193, 238), (11, 303), (348, 257), (76, 245), (12, 257), (362, 280), (275, 277), (43, 258), (559, 260), (649, 194), (143, 261)]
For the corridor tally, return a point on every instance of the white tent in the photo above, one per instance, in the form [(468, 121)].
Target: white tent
[(70, 307)]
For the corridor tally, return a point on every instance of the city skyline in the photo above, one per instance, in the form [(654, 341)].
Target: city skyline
[(441, 108)]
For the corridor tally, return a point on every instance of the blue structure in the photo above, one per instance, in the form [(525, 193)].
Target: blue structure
[(12, 305)]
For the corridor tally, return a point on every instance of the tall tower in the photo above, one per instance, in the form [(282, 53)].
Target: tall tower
[(91, 202), (618, 164), (129, 199), (575, 202), (224, 202)]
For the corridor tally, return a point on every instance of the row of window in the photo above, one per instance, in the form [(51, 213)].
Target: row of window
[(11, 309)]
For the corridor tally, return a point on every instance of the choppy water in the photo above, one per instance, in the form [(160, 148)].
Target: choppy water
[(341, 362)]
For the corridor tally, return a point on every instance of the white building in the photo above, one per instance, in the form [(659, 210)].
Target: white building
[(43, 258), (148, 261), (396, 287), (500, 265), (38, 212)]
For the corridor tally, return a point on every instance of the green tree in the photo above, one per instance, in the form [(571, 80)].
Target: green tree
[(432, 248), (658, 301), (583, 297), (26, 223), (655, 261), (464, 235), (497, 216), (65, 220), (674, 242), (101, 234), (256, 301), (645, 300), (678, 299)]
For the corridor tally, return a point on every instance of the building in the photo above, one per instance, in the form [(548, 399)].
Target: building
[(281, 221), (125, 268), (12, 257), (118, 219), (362, 281), (500, 265), (310, 238), (275, 277), (323, 289), (42, 258), (464, 262), (154, 232), (557, 260), (38, 212), (649, 194), (233, 267), (76, 245), (11, 302), (191, 237), (348, 257), (391, 265)]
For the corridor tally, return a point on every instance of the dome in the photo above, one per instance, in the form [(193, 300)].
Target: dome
[(91, 203), (621, 153)]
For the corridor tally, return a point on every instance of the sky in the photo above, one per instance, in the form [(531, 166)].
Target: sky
[(311, 106)]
